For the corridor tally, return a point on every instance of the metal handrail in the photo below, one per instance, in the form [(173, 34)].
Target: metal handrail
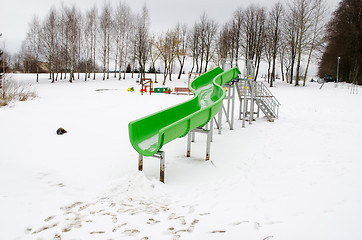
[(262, 94)]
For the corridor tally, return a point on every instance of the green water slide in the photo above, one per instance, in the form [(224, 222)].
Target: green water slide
[(150, 133)]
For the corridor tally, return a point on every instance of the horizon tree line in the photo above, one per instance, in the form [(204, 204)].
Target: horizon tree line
[(70, 42)]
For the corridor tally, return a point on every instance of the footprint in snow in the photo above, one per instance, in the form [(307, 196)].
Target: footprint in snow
[(115, 229), (131, 232), (241, 222), (45, 228), (67, 208), (49, 218), (152, 221), (172, 216), (97, 232), (182, 221), (176, 237), (218, 231), (57, 237)]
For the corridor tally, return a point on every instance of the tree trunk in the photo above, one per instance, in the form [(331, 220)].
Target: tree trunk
[(292, 68), (257, 68), (165, 74), (181, 69), (108, 49), (115, 67), (86, 71), (298, 67), (37, 73), (193, 65), (282, 66), (153, 66), (306, 68), (94, 56), (269, 64)]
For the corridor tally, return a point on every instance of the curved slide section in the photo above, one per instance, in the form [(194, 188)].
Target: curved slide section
[(150, 133)]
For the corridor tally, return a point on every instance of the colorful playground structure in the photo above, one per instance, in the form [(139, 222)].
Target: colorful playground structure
[(147, 86), (198, 115)]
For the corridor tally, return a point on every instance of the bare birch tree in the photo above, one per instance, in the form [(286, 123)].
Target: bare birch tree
[(304, 12), (181, 47), (72, 30), (275, 16), (166, 45), (105, 21), (154, 54), (33, 43), (290, 35), (253, 35), (223, 45), (318, 26), (194, 45), (208, 32), (236, 36), (123, 21), (142, 39), (92, 29), (49, 35)]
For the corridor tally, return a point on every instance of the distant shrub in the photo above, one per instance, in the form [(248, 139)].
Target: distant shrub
[(12, 91)]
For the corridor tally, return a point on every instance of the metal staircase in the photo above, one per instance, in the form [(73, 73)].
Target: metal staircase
[(258, 93), (266, 101)]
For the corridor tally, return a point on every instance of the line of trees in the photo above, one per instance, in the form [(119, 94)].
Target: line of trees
[(70, 41), (344, 41)]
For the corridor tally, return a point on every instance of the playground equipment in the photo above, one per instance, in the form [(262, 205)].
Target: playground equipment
[(182, 90), (146, 83), (131, 89), (254, 96), (162, 90), (148, 135)]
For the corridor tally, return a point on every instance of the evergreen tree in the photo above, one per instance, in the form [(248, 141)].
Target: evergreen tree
[(344, 41), (128, 69)]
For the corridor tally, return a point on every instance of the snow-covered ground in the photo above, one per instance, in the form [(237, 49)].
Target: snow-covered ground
[(297, 178)]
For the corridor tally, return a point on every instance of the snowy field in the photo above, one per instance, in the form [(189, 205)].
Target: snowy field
[(297, 178)]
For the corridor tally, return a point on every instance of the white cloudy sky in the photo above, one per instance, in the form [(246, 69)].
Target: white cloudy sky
[(16, 14)]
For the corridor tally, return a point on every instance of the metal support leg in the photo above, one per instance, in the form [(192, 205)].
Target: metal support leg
[(232, 107), (239, 92), (140, 162), (161, 156), (208, 145), (227, 117), (189, 138), (229, 99), (241, 109), (211, 128), (217, 124), (245, 104), (208, 141), (220, 120), (251, 114), (162, 167)]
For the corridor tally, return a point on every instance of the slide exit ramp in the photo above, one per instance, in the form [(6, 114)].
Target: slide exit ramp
[(148, 134)]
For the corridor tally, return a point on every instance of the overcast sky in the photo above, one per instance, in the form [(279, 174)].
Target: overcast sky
[(164, 14)]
